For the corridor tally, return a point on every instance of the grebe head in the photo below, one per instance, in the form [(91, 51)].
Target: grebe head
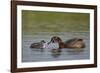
[(56, 39), (42, 41)]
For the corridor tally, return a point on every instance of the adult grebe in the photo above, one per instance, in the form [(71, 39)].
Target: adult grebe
[(56, 42)]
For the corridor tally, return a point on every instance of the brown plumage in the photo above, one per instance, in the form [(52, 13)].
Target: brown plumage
[(75, 43)]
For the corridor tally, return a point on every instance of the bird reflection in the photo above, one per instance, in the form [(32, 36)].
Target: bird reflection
[(74, 51), (38, 50), (56, 52)]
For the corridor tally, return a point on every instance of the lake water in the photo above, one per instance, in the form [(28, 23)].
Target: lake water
[(37, 55)]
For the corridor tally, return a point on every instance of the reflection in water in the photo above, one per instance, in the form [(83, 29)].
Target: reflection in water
[(55, 53), (38, 50), (75, 51)]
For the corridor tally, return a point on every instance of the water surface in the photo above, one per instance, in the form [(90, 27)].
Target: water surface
[(37, 55)]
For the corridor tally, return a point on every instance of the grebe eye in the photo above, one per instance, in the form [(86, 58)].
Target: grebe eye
[(80, 39)]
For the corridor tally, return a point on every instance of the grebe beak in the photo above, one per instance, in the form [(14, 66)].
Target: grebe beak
[(49, 42)]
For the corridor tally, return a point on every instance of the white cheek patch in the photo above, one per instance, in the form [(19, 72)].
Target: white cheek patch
[(51, 46)]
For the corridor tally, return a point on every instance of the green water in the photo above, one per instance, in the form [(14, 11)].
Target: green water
[(43, 21)]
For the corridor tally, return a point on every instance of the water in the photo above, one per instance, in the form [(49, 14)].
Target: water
[(37, 55)]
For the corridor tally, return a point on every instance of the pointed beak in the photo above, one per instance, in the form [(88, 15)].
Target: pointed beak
[(49, 42)]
